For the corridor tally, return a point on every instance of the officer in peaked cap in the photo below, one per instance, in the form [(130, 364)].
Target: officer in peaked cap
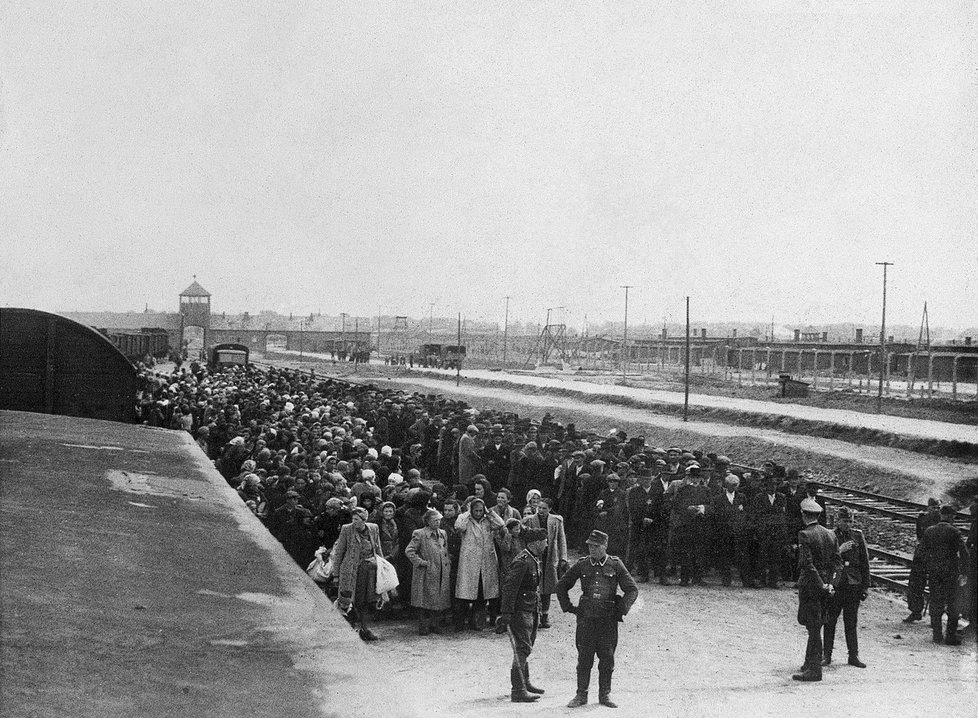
[(520, 611), (819, 567), (600, 609)]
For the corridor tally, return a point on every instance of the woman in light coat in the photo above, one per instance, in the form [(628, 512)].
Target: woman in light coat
[(355, 564), (478, 568), (431, 583)]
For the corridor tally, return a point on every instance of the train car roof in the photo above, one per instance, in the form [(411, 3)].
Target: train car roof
[(136, 582)]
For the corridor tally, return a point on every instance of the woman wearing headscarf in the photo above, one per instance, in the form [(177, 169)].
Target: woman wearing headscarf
[(478, 570), (355, 564), (431, 581)]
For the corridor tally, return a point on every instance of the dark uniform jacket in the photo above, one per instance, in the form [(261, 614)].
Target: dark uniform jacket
[(521, 584), (944, 550), (599, 588), (819, 563), (855, 561)]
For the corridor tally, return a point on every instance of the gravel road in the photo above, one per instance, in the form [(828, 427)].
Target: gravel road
[(921, 428), (923, 475)]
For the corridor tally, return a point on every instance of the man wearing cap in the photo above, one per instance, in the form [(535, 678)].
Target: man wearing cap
[(567, 477), (768, 512), (947, 559), (661, 509), (600, 609), (918, 569), (853, 588), (819, 566), (520, 611), (690, 498), (729, 519), (640, 524)]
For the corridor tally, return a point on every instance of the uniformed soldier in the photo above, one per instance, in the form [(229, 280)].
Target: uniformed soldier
[(600, 609), (918, 569), (853, 588), (520, 611), (947, 559), (819, 563)]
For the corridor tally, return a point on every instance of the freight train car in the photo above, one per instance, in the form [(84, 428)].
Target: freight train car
[(148, 341), (52, 365)]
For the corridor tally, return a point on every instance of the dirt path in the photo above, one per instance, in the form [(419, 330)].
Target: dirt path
[(709, 651), (920, 428), (928, 475)]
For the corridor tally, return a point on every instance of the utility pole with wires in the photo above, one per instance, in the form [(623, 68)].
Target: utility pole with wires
[(505, 332), (624, 334), (686, 390), (883, 362)]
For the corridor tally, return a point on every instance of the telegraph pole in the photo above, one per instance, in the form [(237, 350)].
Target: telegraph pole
[(686, 392), (458, 361), (343, 316), (624, 334), (505, 332), (879, 395)]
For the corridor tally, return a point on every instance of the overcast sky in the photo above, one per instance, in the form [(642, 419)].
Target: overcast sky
[(338, 157)]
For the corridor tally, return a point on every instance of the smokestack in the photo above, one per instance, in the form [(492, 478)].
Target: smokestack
[(967, 341), (734, 333), (797, 335), (703, 333), (859, 336), (663, 332)]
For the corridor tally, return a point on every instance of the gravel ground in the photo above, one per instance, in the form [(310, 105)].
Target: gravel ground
[(708, 651)]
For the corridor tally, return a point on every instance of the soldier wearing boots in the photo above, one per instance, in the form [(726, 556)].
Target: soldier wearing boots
[(520, 611), (853, 588), (819, 563), (947, 558), (600, 609)]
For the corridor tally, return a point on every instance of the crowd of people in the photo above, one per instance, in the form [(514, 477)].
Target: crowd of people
[(443, 491)]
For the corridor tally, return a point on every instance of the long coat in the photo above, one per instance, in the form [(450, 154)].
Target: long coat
[(556, 549), (477, 557), (346, 556), (431, 585), (469, 462)]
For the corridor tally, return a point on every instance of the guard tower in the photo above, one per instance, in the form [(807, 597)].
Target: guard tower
[(195, 315)]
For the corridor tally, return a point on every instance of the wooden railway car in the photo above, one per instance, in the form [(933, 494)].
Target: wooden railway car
[(52, 365)]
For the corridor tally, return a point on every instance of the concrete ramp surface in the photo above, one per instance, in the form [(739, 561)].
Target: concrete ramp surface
[(134, 582)]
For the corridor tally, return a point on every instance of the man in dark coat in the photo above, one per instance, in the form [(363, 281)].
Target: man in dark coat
[(947, 559), (768, 514), (640, 524), (660, 510), (819, 564), (689, 526), (729, 519), (598, 613), (918, 569), (495, 459), (520, 611), (853, 588)]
